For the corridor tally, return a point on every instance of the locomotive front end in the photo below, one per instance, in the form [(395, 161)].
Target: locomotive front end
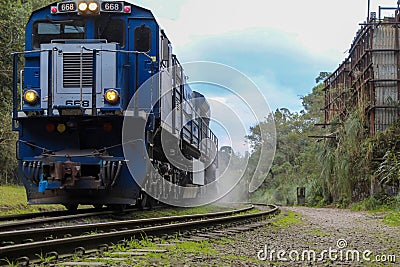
[(69, 102)]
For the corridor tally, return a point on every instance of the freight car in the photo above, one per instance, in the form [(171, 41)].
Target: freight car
[(74, 92)]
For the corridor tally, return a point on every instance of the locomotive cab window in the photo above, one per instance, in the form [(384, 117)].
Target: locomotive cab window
[(142, 39), (105, 29), (45, 31)]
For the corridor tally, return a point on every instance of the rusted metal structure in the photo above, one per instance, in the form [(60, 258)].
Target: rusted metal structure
[(369, 78)]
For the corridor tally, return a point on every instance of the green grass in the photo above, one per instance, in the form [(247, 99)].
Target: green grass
[(318, 232), (12, 195), (175, 253), (288, 219), (392, 219), (178, 252), (191, 249), (387, 205), (196, 248), (377, 204), (13, 201)]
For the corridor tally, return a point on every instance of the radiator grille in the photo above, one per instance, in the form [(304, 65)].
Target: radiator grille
[(71, 70)]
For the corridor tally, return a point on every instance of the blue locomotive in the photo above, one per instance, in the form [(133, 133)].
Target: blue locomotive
[(76, 87)]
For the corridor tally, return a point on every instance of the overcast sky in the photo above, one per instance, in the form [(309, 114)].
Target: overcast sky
[(282, 45)]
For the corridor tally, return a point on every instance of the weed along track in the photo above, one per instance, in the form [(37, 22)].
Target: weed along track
[(64, 243)]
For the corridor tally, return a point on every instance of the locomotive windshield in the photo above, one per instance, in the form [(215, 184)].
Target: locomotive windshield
[(46, 31)]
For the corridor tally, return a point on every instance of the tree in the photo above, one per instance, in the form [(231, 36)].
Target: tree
[(297, 159), (13, 18), (322, 76)]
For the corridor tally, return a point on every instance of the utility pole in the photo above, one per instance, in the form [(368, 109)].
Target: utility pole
[(369, 3)]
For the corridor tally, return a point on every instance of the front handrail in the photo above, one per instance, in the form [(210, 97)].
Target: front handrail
[(21, 87), (31, 52), (153, 59)]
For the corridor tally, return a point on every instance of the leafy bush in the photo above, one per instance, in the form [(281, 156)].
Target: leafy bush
[(378, 202), (389, 170)]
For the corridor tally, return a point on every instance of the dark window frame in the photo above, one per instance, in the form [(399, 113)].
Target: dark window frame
[(136, 40), (123, 43), (37, 41)]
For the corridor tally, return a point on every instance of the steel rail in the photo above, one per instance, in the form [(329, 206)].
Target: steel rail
[(30, 222), (33, 215), (93, 241), (38, 234)]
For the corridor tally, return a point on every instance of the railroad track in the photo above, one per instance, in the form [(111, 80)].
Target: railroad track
[(25, 245), (26, 216), (53, 217)]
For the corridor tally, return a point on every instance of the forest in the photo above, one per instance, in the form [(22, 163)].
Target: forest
[(345, 168), (339, 164), (11, 39)]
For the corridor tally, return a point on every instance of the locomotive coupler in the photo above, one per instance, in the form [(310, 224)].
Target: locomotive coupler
[(67, 172)]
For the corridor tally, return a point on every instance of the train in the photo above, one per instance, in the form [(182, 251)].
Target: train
[(102, 108)]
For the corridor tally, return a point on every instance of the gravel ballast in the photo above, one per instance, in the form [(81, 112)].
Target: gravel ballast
[(299, 236), (338, 237)]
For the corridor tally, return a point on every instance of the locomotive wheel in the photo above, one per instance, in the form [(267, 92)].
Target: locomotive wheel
[(145, 201), (71, 207), (142, 201)]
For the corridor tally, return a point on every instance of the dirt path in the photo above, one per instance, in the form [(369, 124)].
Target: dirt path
[(337, 237)]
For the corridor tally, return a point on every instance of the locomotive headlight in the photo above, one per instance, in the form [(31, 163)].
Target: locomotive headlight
[(61, 128), (83, 7), (93, 6), (31, 97), (111, 96)]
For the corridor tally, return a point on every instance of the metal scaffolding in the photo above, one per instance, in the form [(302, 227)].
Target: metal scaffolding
[(369, 78)]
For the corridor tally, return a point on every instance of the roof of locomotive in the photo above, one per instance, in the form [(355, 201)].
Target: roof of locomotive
[(137, 11), (45, 13)]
